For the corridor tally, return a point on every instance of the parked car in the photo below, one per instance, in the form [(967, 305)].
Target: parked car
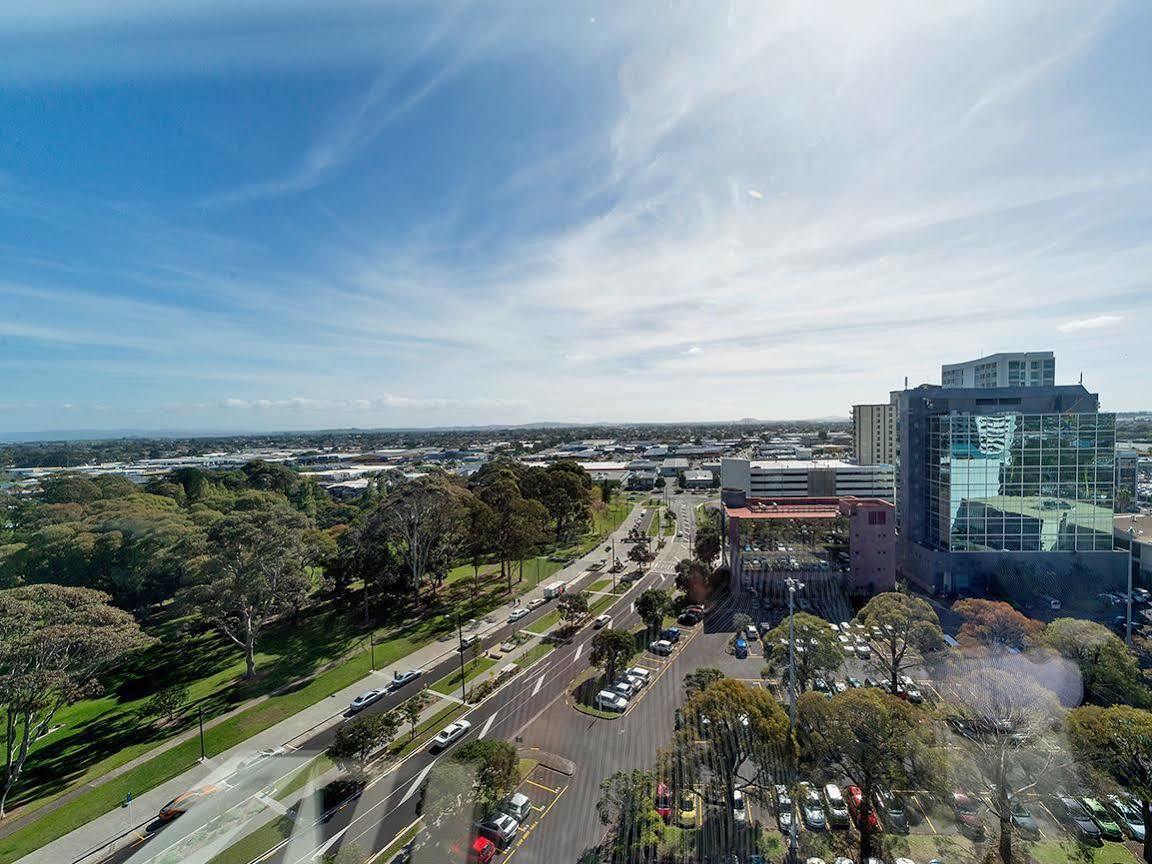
[(1070, 811), (854, 683), (1109, 830), (399, 679), (741, 649), (450, 734), (1127, 813), (645, 675), (186, 801), (609, 700), (859, 809), (482, 851), (811, 808), (624, 688), (672, 634), (517, 805), (837, 809), (500, 829), (467, 642), (689, 811), (368, 697), (688, 619), (967, 811), (661, 646), (664, 801), (517, 615), (739, 807), (751, 634), (602, 621), (1023, 820), (783, 809), (536, 603), (892, 811), (254, 759)]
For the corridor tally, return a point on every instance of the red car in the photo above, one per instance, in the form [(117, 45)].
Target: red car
[(664, 801), (181, 804), (967, 810), (482, 852), (855, 799)]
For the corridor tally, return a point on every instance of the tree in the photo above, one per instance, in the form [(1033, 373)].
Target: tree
[(1108, 669), (1009, 746), (411, 709), (627, 807), (700, 679), (255, 572), (55, 643), (609, 646), (166, 703), (651, 606), (740, 623), (1116, 742), (640, 553), (496, 767), (573, 608), (708, 538), (478, 536), (359, 738), (694, 577), (519, 522), (423, 521), (565, 490), (868, 736), (994, 624), (900, 629), (745, 736), (818, 652)]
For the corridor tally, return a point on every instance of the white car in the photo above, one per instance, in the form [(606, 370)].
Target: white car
[(602, 621), (607, 700), (365, 699), (661, 646), (644, 675), (259, 756), (500, 829), (739, 808), (399, 679), (468, 641), (517, 615), (536, 604), (624, 688), (450, 734), (862, 650)]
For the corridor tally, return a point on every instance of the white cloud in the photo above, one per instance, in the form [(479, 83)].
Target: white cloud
[(1100, 321)]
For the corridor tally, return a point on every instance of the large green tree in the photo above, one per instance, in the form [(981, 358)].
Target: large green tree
[(995, 625), (708, 539), (627, 807), (55, 644), (873, 739), (496, 767), (695, 578), (1116, 743), (818, 653), (900, 629), (519, 522), (609, 647), (652, 605), (424, 523), (359, 738), (573, 607), (254, 572), (1108, 668)]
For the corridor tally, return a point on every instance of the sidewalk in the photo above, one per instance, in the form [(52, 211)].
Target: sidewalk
[(101, 831)]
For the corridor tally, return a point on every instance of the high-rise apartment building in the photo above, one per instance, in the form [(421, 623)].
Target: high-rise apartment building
[(874, 434), (1023, 369), (1020, 476)]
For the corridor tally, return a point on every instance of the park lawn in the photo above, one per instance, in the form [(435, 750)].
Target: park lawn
[(450, 683), (535, 653), (1054, 852)]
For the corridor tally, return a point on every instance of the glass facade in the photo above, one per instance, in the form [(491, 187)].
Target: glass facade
[(1020, 482)]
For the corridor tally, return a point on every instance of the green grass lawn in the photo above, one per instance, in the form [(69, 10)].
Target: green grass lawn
[(451, 683), (654, 526), (601, 585), (546, 623), (601, 603), (535, 653)]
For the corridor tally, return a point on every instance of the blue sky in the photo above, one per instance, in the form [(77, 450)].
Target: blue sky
[(302, 214)]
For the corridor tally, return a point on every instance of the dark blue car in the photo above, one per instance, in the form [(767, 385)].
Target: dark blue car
[(672, 634), (741, 648)]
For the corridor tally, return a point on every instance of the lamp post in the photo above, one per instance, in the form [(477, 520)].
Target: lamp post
[(460, 635), (203, 749), (793, 586), (372, 649)]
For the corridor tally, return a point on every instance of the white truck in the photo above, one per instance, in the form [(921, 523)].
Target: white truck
[(553, 590)]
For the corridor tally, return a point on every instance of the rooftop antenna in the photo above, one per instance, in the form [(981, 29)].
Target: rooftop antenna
[(1081, 376), (905, 382)]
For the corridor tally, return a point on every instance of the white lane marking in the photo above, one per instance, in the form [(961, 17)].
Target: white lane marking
[(632, 606), (579, 651), (539, 684), (416, 783), (331, 842), (487, 726)]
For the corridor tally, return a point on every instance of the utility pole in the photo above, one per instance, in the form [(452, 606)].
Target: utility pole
[(793, 585), (203, 750), (460, 635), (372, 649)]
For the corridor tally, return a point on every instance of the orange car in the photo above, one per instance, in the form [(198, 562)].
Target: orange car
[(181, 804)]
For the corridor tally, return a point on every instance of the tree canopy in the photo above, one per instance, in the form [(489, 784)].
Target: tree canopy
[(994, 624), (1108, 669), (900, 629), (818, 652)]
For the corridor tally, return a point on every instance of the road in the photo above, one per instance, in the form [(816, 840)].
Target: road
[(388, 806)]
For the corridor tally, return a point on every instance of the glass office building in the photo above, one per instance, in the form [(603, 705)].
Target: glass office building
[(1020, 482)]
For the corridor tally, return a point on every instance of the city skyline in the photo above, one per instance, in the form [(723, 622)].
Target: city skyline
[(330, 215)]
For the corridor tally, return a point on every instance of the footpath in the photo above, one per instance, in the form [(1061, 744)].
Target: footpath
[(89, 843)]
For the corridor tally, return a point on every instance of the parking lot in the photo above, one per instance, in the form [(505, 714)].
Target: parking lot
[(544, 786)]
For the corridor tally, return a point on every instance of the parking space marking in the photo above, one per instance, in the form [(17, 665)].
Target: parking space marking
[(541, 786)]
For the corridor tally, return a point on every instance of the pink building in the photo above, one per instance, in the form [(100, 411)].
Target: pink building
[(847, 539)]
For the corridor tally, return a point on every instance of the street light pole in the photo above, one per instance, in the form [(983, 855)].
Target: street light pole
[(460, 635), (792, 586), (203, 750), (372, 649)]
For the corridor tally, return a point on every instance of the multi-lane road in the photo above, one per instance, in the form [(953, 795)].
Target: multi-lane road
[(522, 711)]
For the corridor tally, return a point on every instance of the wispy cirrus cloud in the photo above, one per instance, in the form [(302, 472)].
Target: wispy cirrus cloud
[(1096, 323)]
